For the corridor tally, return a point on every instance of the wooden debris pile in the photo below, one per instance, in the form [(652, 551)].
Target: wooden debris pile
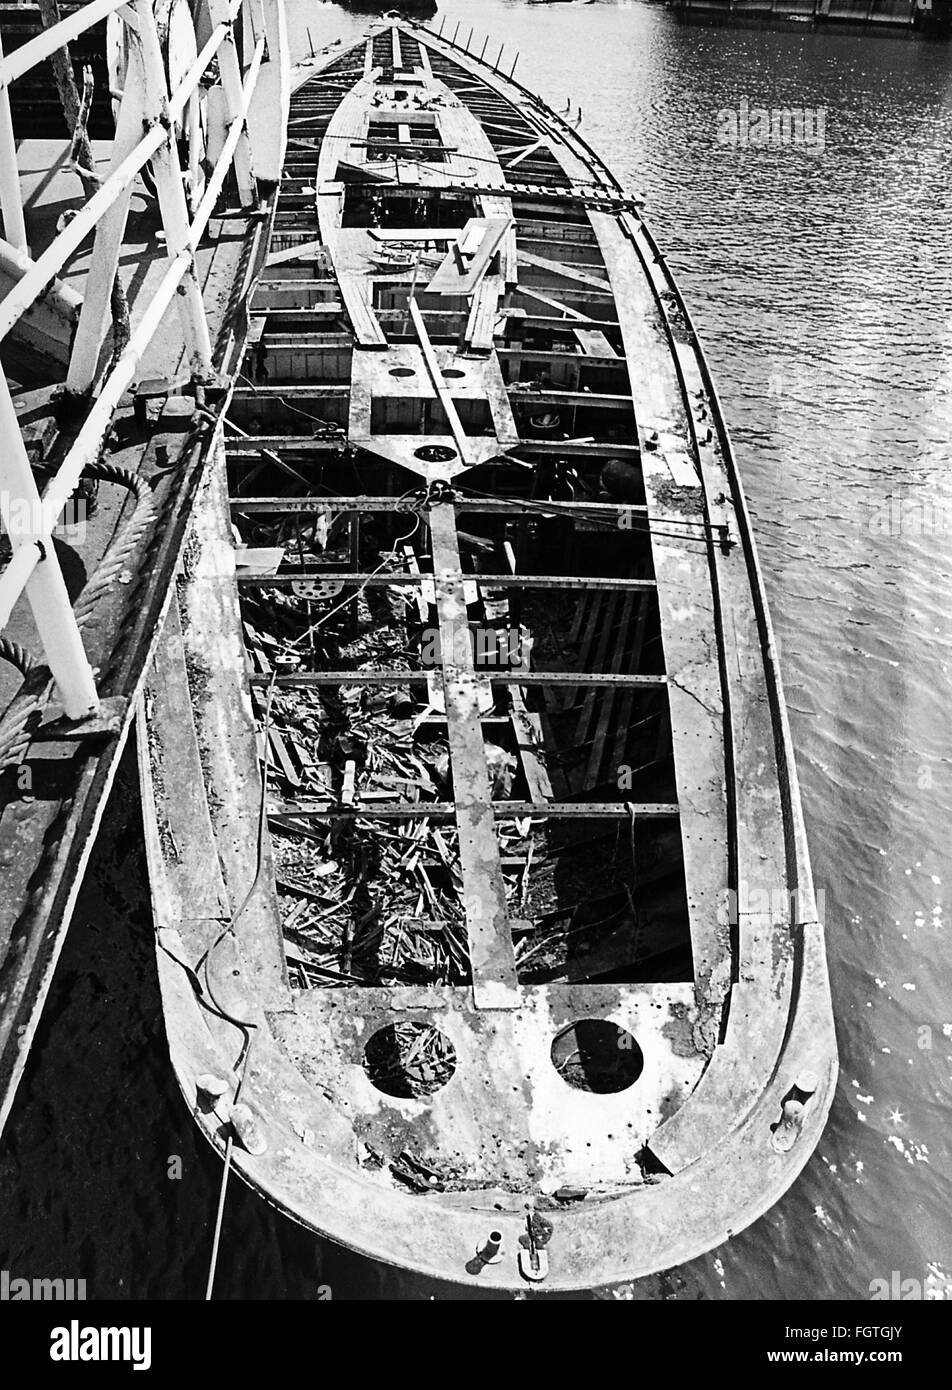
[(378, 900), (410, 1059)]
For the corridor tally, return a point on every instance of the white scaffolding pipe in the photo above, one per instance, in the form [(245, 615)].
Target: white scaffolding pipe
[(230, 72), (48, 266), (88, 442), (167, 173), (47, 43), (45, 586), (34, 568), (11, 202), (255, 21), (62, 297), (14, 65), (110, 231), (193, 120), (14, 578), (16, 303), (96, 316), (188, 84), (207, 206), (268, 115)]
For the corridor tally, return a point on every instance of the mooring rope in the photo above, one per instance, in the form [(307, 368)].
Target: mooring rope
[(15, 738), (17, 655)]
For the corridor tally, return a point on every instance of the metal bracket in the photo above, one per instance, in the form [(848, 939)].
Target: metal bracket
[(105, 723), (533, 1265), (727, 541)]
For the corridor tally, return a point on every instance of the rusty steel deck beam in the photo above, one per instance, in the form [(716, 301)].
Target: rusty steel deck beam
[(532, 395), (524, 192), (489, 581), (547, 355), (487, 506), (300, 443), (502, 810), (562, 322), (504, 676), (251, 393)]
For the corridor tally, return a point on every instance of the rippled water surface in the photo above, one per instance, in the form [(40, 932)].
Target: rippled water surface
[(821, 281)]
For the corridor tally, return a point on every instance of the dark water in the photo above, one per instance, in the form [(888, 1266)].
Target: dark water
[(821, 281)]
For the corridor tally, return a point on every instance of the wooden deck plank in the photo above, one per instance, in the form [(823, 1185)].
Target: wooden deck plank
[(439, 383), (295, 253), (602, 637), (597, 754), (414, 234), (626, 699), (461, 272), (480, 329), (562, 271), (595, 344), (530, 743), (564, 310), (356, 292), (557, 320), (541, 143)]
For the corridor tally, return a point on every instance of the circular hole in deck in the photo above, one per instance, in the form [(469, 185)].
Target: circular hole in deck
[(595, 1055), (453, 374), (435, 453), (409, 1059), (402, 371)]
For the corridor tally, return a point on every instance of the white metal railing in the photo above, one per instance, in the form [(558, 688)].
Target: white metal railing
[(145, 134)]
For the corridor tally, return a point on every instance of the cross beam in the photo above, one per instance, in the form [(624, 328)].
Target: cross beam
[(505, 676), (501, 810), (376, 580), (487, 506)]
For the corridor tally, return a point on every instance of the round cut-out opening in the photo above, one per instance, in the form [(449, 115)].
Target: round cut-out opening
[(402, 371), (435, 453), (596, 1055), (409, 1059), (453, 374)]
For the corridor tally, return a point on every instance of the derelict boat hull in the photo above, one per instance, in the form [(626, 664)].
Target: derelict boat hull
[(511, 973)]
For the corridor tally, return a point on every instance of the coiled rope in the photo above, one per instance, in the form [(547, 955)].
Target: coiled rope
[(34, 695), (17, 655)]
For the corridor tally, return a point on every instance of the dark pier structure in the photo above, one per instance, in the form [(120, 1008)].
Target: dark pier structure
[(928, 18)]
